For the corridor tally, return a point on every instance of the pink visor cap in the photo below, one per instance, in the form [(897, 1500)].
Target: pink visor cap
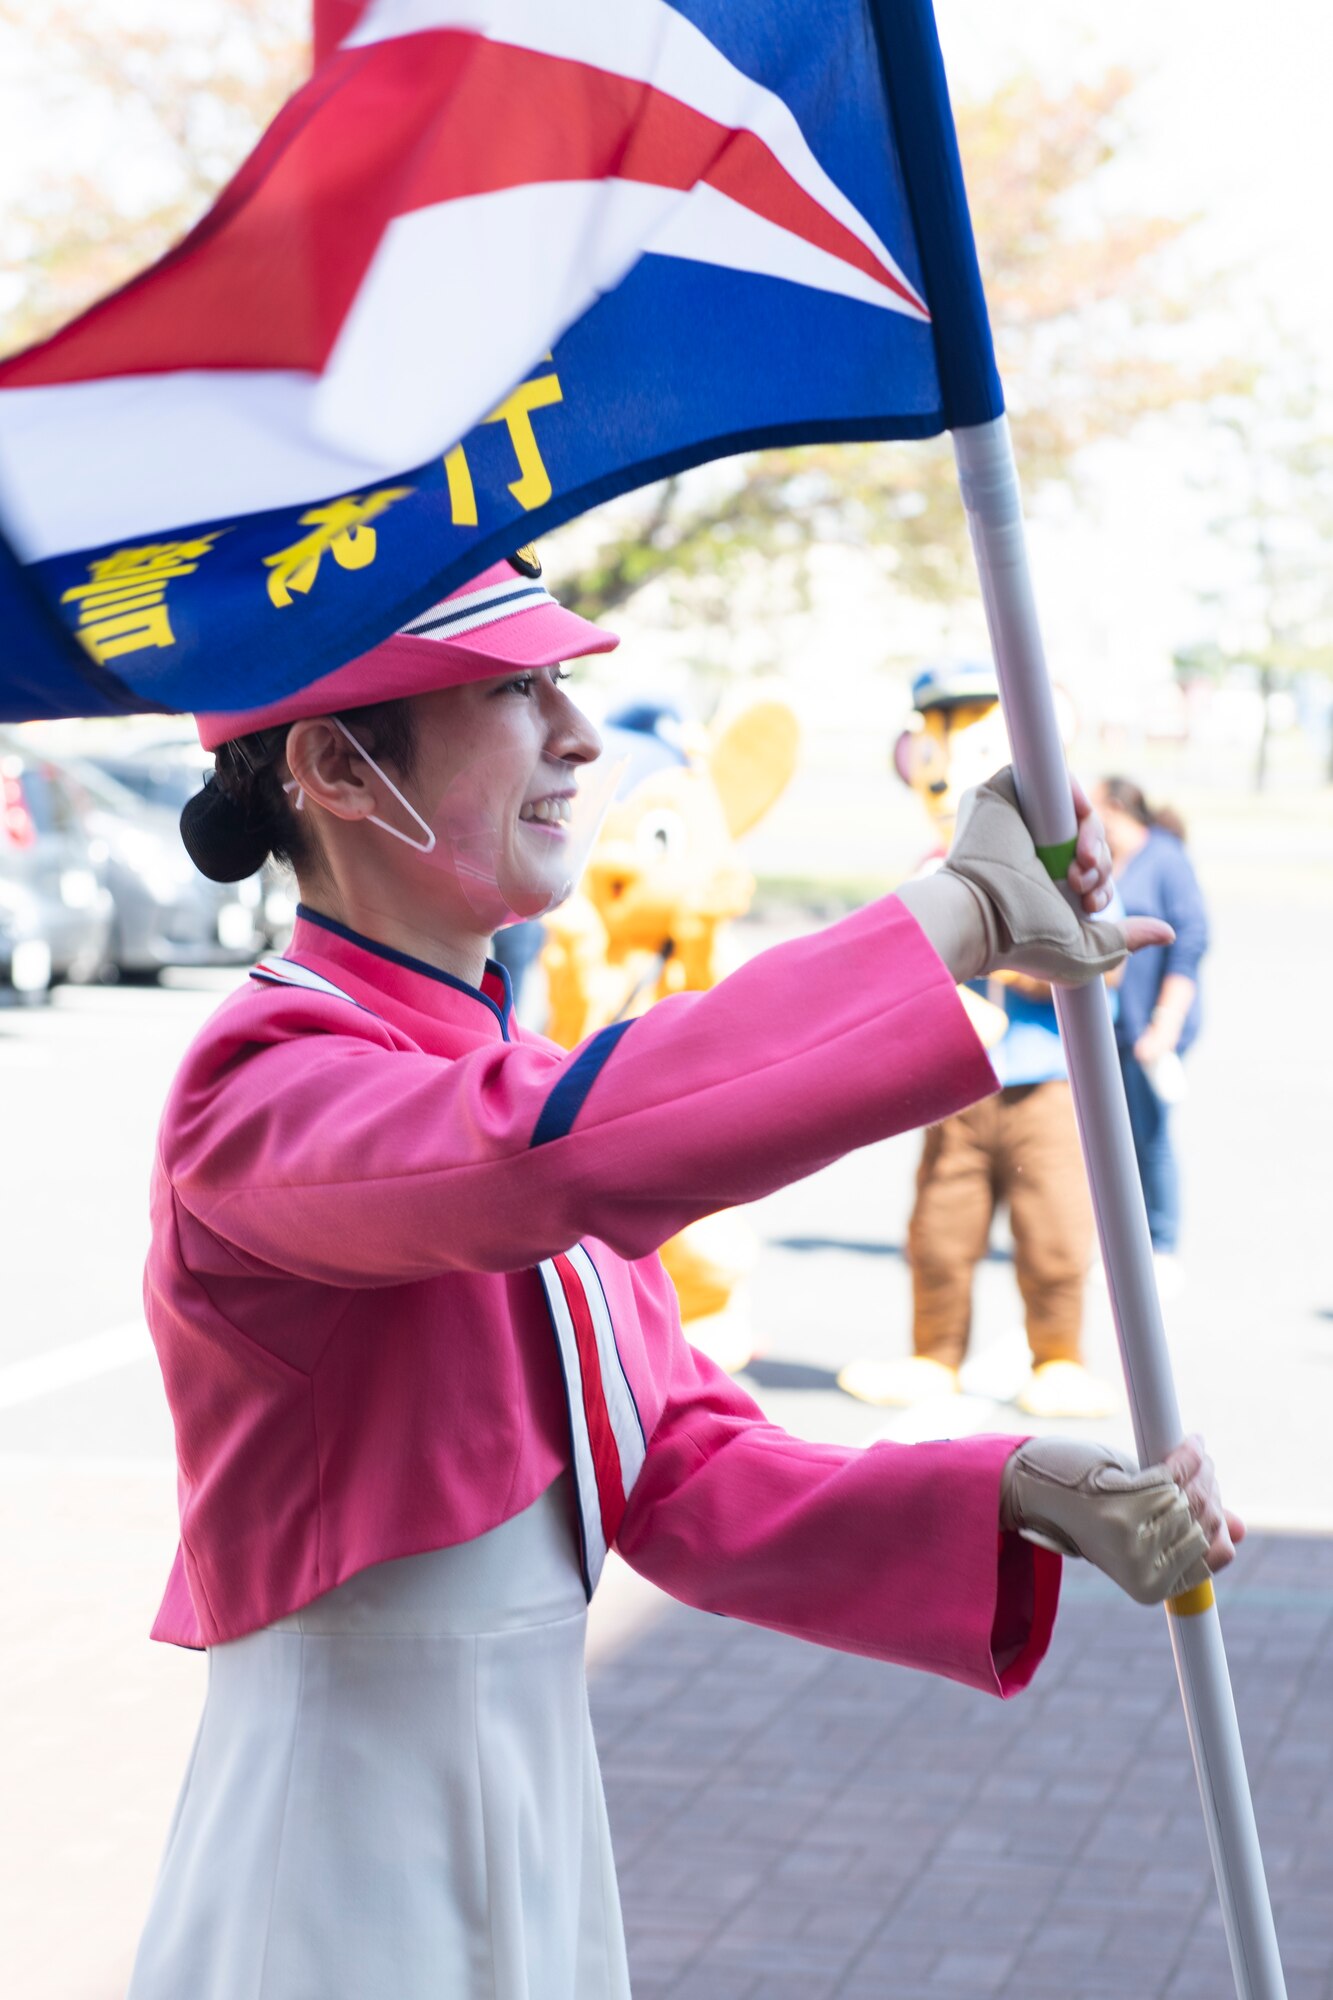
[(506, 617)]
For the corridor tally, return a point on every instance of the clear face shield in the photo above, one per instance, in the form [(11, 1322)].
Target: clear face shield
[(512, 840)]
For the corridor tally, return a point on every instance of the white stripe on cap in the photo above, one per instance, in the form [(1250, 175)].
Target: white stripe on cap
[(472, 609)]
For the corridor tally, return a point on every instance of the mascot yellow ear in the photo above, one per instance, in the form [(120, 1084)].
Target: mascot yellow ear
[(752, 757)]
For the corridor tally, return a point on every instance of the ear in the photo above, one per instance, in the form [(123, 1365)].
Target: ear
[(327, 769), (752, 757)]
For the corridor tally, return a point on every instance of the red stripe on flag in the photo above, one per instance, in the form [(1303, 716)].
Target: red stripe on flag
[(333, 21), (268, 277), (605, 1451)]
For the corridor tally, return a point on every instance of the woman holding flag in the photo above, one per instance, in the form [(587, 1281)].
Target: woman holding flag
[(425, 1369)]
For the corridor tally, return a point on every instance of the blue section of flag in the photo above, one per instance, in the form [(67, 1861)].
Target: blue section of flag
[(43, 671), (682, 363)]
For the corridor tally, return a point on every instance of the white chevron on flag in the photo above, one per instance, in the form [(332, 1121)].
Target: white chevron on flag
[(547, 146), (650, 42)]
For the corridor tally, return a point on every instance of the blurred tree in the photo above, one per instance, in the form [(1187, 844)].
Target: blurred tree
[(1271, 612), (180, 99), (1082, 318)]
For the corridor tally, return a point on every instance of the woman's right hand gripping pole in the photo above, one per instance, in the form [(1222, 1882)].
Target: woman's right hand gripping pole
[(992, 906)]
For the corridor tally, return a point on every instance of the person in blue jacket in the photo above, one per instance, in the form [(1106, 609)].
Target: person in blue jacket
[(1159, 994)]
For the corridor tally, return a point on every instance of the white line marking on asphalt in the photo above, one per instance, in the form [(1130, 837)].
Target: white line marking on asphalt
[(22, 1055), (78, 1361)]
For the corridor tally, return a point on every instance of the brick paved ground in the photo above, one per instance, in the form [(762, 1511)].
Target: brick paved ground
[(796, 1825)]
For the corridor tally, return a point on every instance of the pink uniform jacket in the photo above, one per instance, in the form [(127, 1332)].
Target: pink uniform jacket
[(349, 1199)]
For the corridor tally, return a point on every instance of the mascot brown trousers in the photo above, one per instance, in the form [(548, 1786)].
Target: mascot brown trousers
[(1019, 1147)]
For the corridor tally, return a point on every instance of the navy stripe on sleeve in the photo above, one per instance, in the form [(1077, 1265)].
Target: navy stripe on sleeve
[(564, 1104)]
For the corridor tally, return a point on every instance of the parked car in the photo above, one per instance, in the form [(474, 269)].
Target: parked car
[(55, 912), (164, 776), (166, 912)]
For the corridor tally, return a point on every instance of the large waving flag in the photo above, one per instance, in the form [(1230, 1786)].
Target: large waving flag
[(497, 261)]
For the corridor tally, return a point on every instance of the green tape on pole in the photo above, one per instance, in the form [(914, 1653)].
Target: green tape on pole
[(1056, 859)]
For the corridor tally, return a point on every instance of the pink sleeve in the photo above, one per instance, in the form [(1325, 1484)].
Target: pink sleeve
[(892, 1551), (334, 1154)]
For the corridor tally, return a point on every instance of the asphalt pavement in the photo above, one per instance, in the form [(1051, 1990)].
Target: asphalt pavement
[(788, 1821)]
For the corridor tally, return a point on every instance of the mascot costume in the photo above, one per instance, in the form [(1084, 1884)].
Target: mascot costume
[(662, 885), (1020, 1147)]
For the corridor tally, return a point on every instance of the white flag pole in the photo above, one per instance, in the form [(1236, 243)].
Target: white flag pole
[(989, 481)]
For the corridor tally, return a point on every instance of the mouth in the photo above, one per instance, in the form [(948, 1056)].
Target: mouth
[(553, 813)]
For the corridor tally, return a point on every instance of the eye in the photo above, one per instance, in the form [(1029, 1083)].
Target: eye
[(660, 834), (526, 683)]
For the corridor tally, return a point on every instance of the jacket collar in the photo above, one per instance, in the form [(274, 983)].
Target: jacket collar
[(330, 947)]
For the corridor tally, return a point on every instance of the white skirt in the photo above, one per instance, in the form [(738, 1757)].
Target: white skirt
[(394, 1794)]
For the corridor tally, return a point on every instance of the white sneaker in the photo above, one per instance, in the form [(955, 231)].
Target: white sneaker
[(898, 1384), (998, 1372), (1067, 1389)]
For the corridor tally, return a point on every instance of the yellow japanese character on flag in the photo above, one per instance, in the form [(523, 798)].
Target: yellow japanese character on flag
[(341, 529), (532, 488), (122, 607)]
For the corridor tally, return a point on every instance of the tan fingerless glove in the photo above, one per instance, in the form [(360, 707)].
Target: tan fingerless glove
[(1030, 925), (1088, 1500)]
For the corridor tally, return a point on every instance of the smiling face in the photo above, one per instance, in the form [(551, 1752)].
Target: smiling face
[(494, 778)]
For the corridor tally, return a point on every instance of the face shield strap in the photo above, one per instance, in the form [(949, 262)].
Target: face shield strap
[(426, 845)]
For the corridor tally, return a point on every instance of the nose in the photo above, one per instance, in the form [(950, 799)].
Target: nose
[(570, 737)]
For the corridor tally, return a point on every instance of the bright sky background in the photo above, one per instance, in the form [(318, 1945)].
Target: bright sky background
[(1233, 117), (1232, 124)]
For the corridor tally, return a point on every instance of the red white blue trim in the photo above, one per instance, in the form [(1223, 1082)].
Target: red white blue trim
[(286, 972), (606, 1435)]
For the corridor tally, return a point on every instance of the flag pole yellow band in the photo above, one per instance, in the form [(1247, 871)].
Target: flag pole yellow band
[(1191, 1602)]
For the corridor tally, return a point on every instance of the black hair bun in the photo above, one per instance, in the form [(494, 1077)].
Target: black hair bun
[(220, 838)]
